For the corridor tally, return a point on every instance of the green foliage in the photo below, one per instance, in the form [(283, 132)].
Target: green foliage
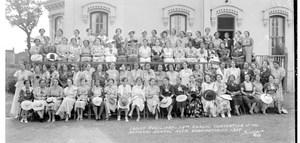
[(10, 80)]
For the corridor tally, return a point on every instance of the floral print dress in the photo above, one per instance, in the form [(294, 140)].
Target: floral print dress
[(194, 108)]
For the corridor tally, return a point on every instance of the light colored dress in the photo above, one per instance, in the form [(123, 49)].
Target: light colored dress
[(185, 76), (144, 52), (81, 101), (125, 92), (97, 92), (15, 107), (35, 53), (109, 91), (114, 74), (172, 76), (159, 77), (172, 40), (41, 94), (191, 54), (147, 75), (55, 92), (41, 38), (136, 73), (152, 102), (128, 75), (68, 102), (248, 47), (168, 55), (223, 74), (74, 53), (98, 53), (76, 78), (216, 42), (86, 54), (138, 97), (179, 54), (62, 51), (90, 38), (258, 92), (87, 75), (279, 74), (222, 104), (209, 104), (110, 54), (202, 55)]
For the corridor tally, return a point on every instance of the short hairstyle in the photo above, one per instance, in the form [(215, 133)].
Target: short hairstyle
[(124, 78), (152, 79), (145, 40), (87, 29), (167, 78), (219, 75), (183, 33), (266, 62), (247, 32), (185, 62), (154, 31), (46, 37), (71, 80), (211, 44), (77, 31), (87, 42), (230, 76), (207, 29), (198, 32), (62, 32), (41, 30), (275, 62), (36, 40), (238, 31), (73, 39), (138, 78), (216, 33), (64, 38), (227, 33), (179, 78), (24, 82), (272, 76), (118, 29), (97, 39), (192, 76), (42, 80), (110, 79), (174, 30)]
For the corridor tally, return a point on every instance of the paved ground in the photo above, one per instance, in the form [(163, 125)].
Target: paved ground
[(246, 128)]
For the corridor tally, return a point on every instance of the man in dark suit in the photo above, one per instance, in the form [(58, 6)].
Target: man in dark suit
[(246, 70), (228, 43)]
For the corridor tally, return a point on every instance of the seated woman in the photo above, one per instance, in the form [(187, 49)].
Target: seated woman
[(86, 51), (110, 52), (233, 89), (124, 72), (136, 72), (132, 52), (185, 73), (258, 92), (157, 52), (167, 91), (121, 55), (210, 71), (172, 75), (124, 95), (180, 90), (223, 104), (87, 74), (179, 53), (168, 53), (212, 54), (191, 53), (64, 75), (113, 73), (40, 94), (138, 98), (54, 99), (66, 107), (223, 53), (202, 53), (238, 54), (144, 53), (53, 73), (25, 98), (151, 94), (77, 37), (271, 88), (35, 51), (98, 51), (198, 73), (254, 68), (110, 99), (118, 38), (194, 108), (222, 71), (47, 48), (82, 98), (97, 99), (36, 76), (160, 74), (209, 107), (248, 92), (100, 75), (62, 50), (74, 51)]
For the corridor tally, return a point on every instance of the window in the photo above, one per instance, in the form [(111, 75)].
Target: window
[(99, 20), (178, 22), (59, 22), (277, 34), (226, 24)]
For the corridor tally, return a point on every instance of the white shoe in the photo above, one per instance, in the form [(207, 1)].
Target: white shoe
[(22, 120), (284, 111), (223, 115), (16, 117), (26, 121), (126, 119), (119, 118), (169, 117), (229, 115)]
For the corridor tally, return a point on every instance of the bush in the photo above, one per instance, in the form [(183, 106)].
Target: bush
[(10, 80)]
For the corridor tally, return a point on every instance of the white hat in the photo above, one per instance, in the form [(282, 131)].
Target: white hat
[(109, 41), (38, 105), (97, 101), (123, 102), (226, 96), (166, 102), (266, 98), (50, 101), (181, 98), (189, 31), (143, 31), (26, 105)]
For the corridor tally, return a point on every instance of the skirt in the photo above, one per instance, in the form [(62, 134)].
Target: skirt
[(98, 59), (86, 59), (259, 103), (66, 107), (153, 102), (15, 107), (145, 59), (236, 100), (139, 102), (55, 106), (222, 105), (80, 104), (194, 107), (111, 107), (209, 106), (248, 50), (110, 59)]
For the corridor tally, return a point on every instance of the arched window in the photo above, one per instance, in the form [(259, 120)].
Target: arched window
[(277, 34), (178, 22), (59, 22), (98, 21)]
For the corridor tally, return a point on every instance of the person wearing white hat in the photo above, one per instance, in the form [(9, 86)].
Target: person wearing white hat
[(223, 104), (144, 36), (110, 52), (74, 51), (151, 94), (35, 51), (110, 99), (82, 98), (144, 53), (26, 96), (66, 107), (124, 91), (98, 51), (40, 93), (55, 96), (180, 93), (138, 98), (167, 91), (97, 99)]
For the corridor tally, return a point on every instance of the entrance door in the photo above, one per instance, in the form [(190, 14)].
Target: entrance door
[(226, 24)]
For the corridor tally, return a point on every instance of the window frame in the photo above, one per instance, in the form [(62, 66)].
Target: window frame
[(99, 12), (178, 14), (271, 37), (226, 30), (55, 22)]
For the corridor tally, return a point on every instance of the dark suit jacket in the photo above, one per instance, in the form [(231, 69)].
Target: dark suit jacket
[(243, 75), (229, 45)]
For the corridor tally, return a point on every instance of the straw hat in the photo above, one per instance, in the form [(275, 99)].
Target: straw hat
[(38, 105), (226, 96), (52, 57), (97, 101), (123, 102), (50, 101), (209, 95), (266, 98), (26, 105), (111, 100), (166, 102), (181, 98)]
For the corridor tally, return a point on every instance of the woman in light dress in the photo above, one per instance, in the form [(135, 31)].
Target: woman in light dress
[(159, 75), (76, 36), (90, 37), (223, 105), (216, 40), (56, 93), (70, 93), (185, 73), (233, 70), (40, 94), (98, 51), (124, 72), (248, 92), (74, 51), (124, 93), (168, 53), (167, 91), (173, 38), (172, 75), (35, 51), (207, 37), (97, 92), (21, 76), (138, 98), (82, 98), (36, 77), (86, 51), (179, 53), (110, 99), (111, 52), (209, 107), (191, 53), (271, 88), (41, 36), (62, 50), (144, 53), (247, 44), (151, 94), (58, 37), (222, 71), (258, 92)]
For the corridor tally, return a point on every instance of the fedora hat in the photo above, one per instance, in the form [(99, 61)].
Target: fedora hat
[(226, 96), (26, 105), (52, 56), (209, 95), (97, 101), (111, 100), (266, 98), (123, 102), (166, 102), (181, 98), (50, 101), (38, 105)]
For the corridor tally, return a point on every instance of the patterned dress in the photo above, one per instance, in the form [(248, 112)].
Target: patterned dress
[(111, 92), (159, 77), (179, 54), (74, 53), (194, 107), (279, 74), (222, 104), (152, 91), (172, 76), (272, 89), (83, 92), (55, 92), (98, 52)]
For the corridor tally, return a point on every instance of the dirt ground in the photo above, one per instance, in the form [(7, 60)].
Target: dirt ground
[(245, 128)]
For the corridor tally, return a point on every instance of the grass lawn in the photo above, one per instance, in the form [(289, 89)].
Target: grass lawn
[(245, 128)]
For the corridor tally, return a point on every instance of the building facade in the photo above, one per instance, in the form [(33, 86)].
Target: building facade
[(270, 22)]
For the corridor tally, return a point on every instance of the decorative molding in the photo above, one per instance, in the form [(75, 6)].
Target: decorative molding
[(278, 10), (227, 9), (51, 5), (98, 6), (178, 9)]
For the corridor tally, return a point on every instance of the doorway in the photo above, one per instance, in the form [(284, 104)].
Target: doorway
[(226, 24)]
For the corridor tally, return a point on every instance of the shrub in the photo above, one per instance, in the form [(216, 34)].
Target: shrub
[(10, 80)]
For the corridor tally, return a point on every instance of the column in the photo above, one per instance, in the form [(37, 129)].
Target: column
[(68, 18), (206, 14)]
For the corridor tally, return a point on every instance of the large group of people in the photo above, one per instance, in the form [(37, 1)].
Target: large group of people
[(184, 80)]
